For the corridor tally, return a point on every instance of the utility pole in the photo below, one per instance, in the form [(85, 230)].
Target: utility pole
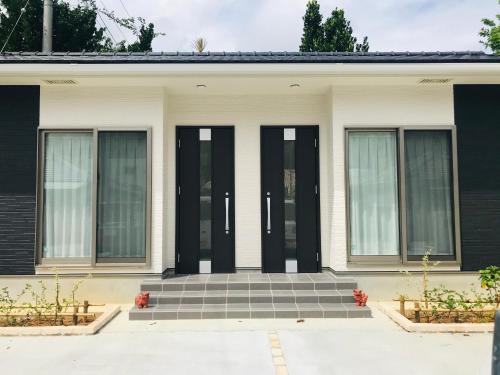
[(47, 26)]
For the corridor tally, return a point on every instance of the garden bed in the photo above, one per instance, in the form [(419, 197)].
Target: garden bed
[(441, 309), (391, 309), (40, 310), (26, 318), (102, 315)]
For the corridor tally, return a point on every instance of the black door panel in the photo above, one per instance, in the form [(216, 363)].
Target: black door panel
[(307, 198), (188, 201), (223, 200), (273, 224), (205, 199), (289, 198)]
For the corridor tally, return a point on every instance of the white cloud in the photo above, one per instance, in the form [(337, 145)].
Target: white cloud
[(263, 25)]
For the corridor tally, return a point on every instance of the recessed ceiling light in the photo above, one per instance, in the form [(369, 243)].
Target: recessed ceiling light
[(294, 85), (201, 86)]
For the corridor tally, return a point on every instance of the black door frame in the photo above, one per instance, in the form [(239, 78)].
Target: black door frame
[(318, 196), (232, 210)]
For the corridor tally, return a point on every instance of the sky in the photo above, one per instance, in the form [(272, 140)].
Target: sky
[(276, 25)]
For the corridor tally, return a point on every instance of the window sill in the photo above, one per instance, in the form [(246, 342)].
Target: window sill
[(411, 266), (67, 269)]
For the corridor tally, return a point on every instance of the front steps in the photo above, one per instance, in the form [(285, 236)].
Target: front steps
[(250, 296)]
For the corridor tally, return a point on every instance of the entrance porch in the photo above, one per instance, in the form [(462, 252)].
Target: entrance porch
[(250, 296)]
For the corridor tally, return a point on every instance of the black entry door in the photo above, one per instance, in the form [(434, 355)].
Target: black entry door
[(205, 200), (290, 199)]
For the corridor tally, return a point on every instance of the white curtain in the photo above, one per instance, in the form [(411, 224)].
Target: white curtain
[(121, 204), (373, 193), (67, 189), (429, 192)]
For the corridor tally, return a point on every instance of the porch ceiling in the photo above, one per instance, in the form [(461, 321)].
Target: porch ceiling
[(245, 84)]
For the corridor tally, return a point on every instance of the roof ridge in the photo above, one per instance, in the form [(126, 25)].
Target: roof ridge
[(244, 53), (255, 57)]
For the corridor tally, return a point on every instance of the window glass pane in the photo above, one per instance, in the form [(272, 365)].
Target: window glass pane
[(67, 192), (289, 183), (205, 195), (429, 202), (373, 193), (121, 195)]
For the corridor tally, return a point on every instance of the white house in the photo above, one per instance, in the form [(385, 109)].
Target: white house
[(136, 165)]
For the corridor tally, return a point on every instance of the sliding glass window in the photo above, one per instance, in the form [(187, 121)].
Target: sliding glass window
[(394, 218), (67, 196), (121, 197), (95, 196), (429, 193), (373, 193)]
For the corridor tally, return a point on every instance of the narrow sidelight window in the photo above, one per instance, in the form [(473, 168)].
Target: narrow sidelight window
[(290, 199), (429, 193), (373, 193), (205, 195), (121, 196), (67, 195)]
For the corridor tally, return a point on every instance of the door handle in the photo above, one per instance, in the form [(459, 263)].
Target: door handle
[(227, 213), (268, 198)]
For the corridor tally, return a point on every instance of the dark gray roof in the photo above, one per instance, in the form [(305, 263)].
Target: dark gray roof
[(245, 57)]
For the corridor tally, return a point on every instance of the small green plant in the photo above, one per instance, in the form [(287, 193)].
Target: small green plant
[(32, 303), (428, 266), (490, 280)]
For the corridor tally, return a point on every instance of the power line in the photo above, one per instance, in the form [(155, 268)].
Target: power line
[(23, 10), (117, 26), (125, 8), (103, 27), (106, 27)]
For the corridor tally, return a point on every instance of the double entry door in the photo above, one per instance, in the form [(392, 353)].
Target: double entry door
[(205, 200), (290, 199)]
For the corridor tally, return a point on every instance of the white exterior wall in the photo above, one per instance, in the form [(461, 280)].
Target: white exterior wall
[(344, 106), (247, 113), (373, 106), (87, 107)]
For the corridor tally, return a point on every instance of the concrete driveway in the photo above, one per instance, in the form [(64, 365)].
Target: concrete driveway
[(330, 346)]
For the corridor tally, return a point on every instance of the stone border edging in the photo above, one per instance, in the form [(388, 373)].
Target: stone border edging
[(108, 313), (391, 310)]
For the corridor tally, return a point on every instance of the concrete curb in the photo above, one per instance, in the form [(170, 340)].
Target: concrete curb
[(108, 313), (391, 310)]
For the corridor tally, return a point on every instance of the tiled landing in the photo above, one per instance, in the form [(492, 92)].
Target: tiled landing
[(250, 296)]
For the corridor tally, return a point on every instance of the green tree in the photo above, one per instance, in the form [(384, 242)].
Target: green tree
[(491, 34), (333, 35), (75, 28), (312, 38)]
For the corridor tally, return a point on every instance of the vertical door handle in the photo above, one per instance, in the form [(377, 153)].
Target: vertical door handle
[(227, 212), (268, 199)]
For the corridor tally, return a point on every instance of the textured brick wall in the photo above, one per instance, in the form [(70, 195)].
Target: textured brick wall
[(17, 234), (477, 116), (19, 118)]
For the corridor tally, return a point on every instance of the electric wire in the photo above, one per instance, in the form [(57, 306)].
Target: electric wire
[(106, 27), (23, 10), (117, 26), (125, 8)]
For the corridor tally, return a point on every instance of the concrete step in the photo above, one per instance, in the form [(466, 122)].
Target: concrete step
[(249, 282), (250, 311), (251, 296)]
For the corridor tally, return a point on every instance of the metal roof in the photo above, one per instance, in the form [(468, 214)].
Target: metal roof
[(244, 57)]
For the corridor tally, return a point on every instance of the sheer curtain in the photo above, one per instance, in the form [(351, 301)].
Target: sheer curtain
[(121, 202), (67, 189), (373, 193), (429, 192)]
